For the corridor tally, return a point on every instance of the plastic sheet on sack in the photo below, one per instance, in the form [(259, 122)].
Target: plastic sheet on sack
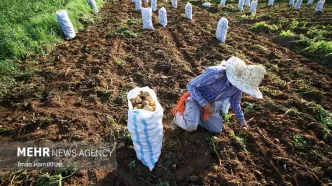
[(298, 4), (240, 5), (222, 2), (138, 5), (93, 5), (154, 5), (162, 17), (270, 3), (206, 4), (253, 7), (147, 18), (319, 6), (310, 2), (65, 24), (247, 3), (222, 30), (189, 11), (174, 3)]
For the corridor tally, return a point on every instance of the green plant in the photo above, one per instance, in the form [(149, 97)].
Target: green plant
[(299, 141), (320, 48), (214, 148), (48, 179), (250, 106), (276, 79), (226, 117), (293, 24), (132, 164), (264, 27), (240, 138), (134, 21), (111, 120), (126, 32), (120, 62), (262, 49), (288, 35), (324, 117), (319, 33), (292, 112)]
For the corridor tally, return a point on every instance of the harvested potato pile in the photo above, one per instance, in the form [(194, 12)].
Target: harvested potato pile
[(143, 101)]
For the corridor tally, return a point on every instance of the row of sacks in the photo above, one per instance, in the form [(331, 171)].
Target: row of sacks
[(147, 21), (66, 25), (147, 16), (297, 5), (138, 4)]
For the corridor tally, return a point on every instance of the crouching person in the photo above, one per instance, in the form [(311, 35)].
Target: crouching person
[(214, 91)]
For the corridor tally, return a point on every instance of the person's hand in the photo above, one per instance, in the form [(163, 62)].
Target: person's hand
[(244, 126), (208, 109)]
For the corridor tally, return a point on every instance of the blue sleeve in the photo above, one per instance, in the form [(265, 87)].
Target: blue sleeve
[(235, 101), (205, 79)]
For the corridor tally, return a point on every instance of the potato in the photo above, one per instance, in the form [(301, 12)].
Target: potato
[(139, 106), (141, 92), (138, 100), (146, 94), (145, 103), (132, 100), (148, 108), (154, 107), (151, 102)]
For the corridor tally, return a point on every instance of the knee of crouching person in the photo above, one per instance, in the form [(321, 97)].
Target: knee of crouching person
[(190, 129)]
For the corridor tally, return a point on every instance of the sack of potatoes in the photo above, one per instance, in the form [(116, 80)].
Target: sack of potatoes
[(143, 101), (145, 126)]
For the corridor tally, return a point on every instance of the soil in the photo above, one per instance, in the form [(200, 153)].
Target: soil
[(83, 84)]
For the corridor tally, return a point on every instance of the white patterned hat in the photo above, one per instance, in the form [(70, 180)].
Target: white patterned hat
[(245, 77)]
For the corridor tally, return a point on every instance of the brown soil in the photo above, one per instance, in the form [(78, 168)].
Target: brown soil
[(83, 84)]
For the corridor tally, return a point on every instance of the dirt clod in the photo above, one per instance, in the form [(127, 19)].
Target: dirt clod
[(193, 178), (232, 183), (120, 145)]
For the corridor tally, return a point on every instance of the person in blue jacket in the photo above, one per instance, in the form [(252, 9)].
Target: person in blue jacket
[(218, 88)]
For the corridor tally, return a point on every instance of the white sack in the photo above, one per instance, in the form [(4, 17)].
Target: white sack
[(162, 17), (147, 18), (310, 2), (138, 5), (206, 4), (146, 129), (240, 5), (298, 4), (222, 29), (189, 11), (65, 24), (154, 5), (222, 2), (253, 7), (174, 3), (319, 6), (270, 3), (93, 5), (247, 3), (291, 2)]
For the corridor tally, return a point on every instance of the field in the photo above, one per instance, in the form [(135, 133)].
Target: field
[(79, 94)]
